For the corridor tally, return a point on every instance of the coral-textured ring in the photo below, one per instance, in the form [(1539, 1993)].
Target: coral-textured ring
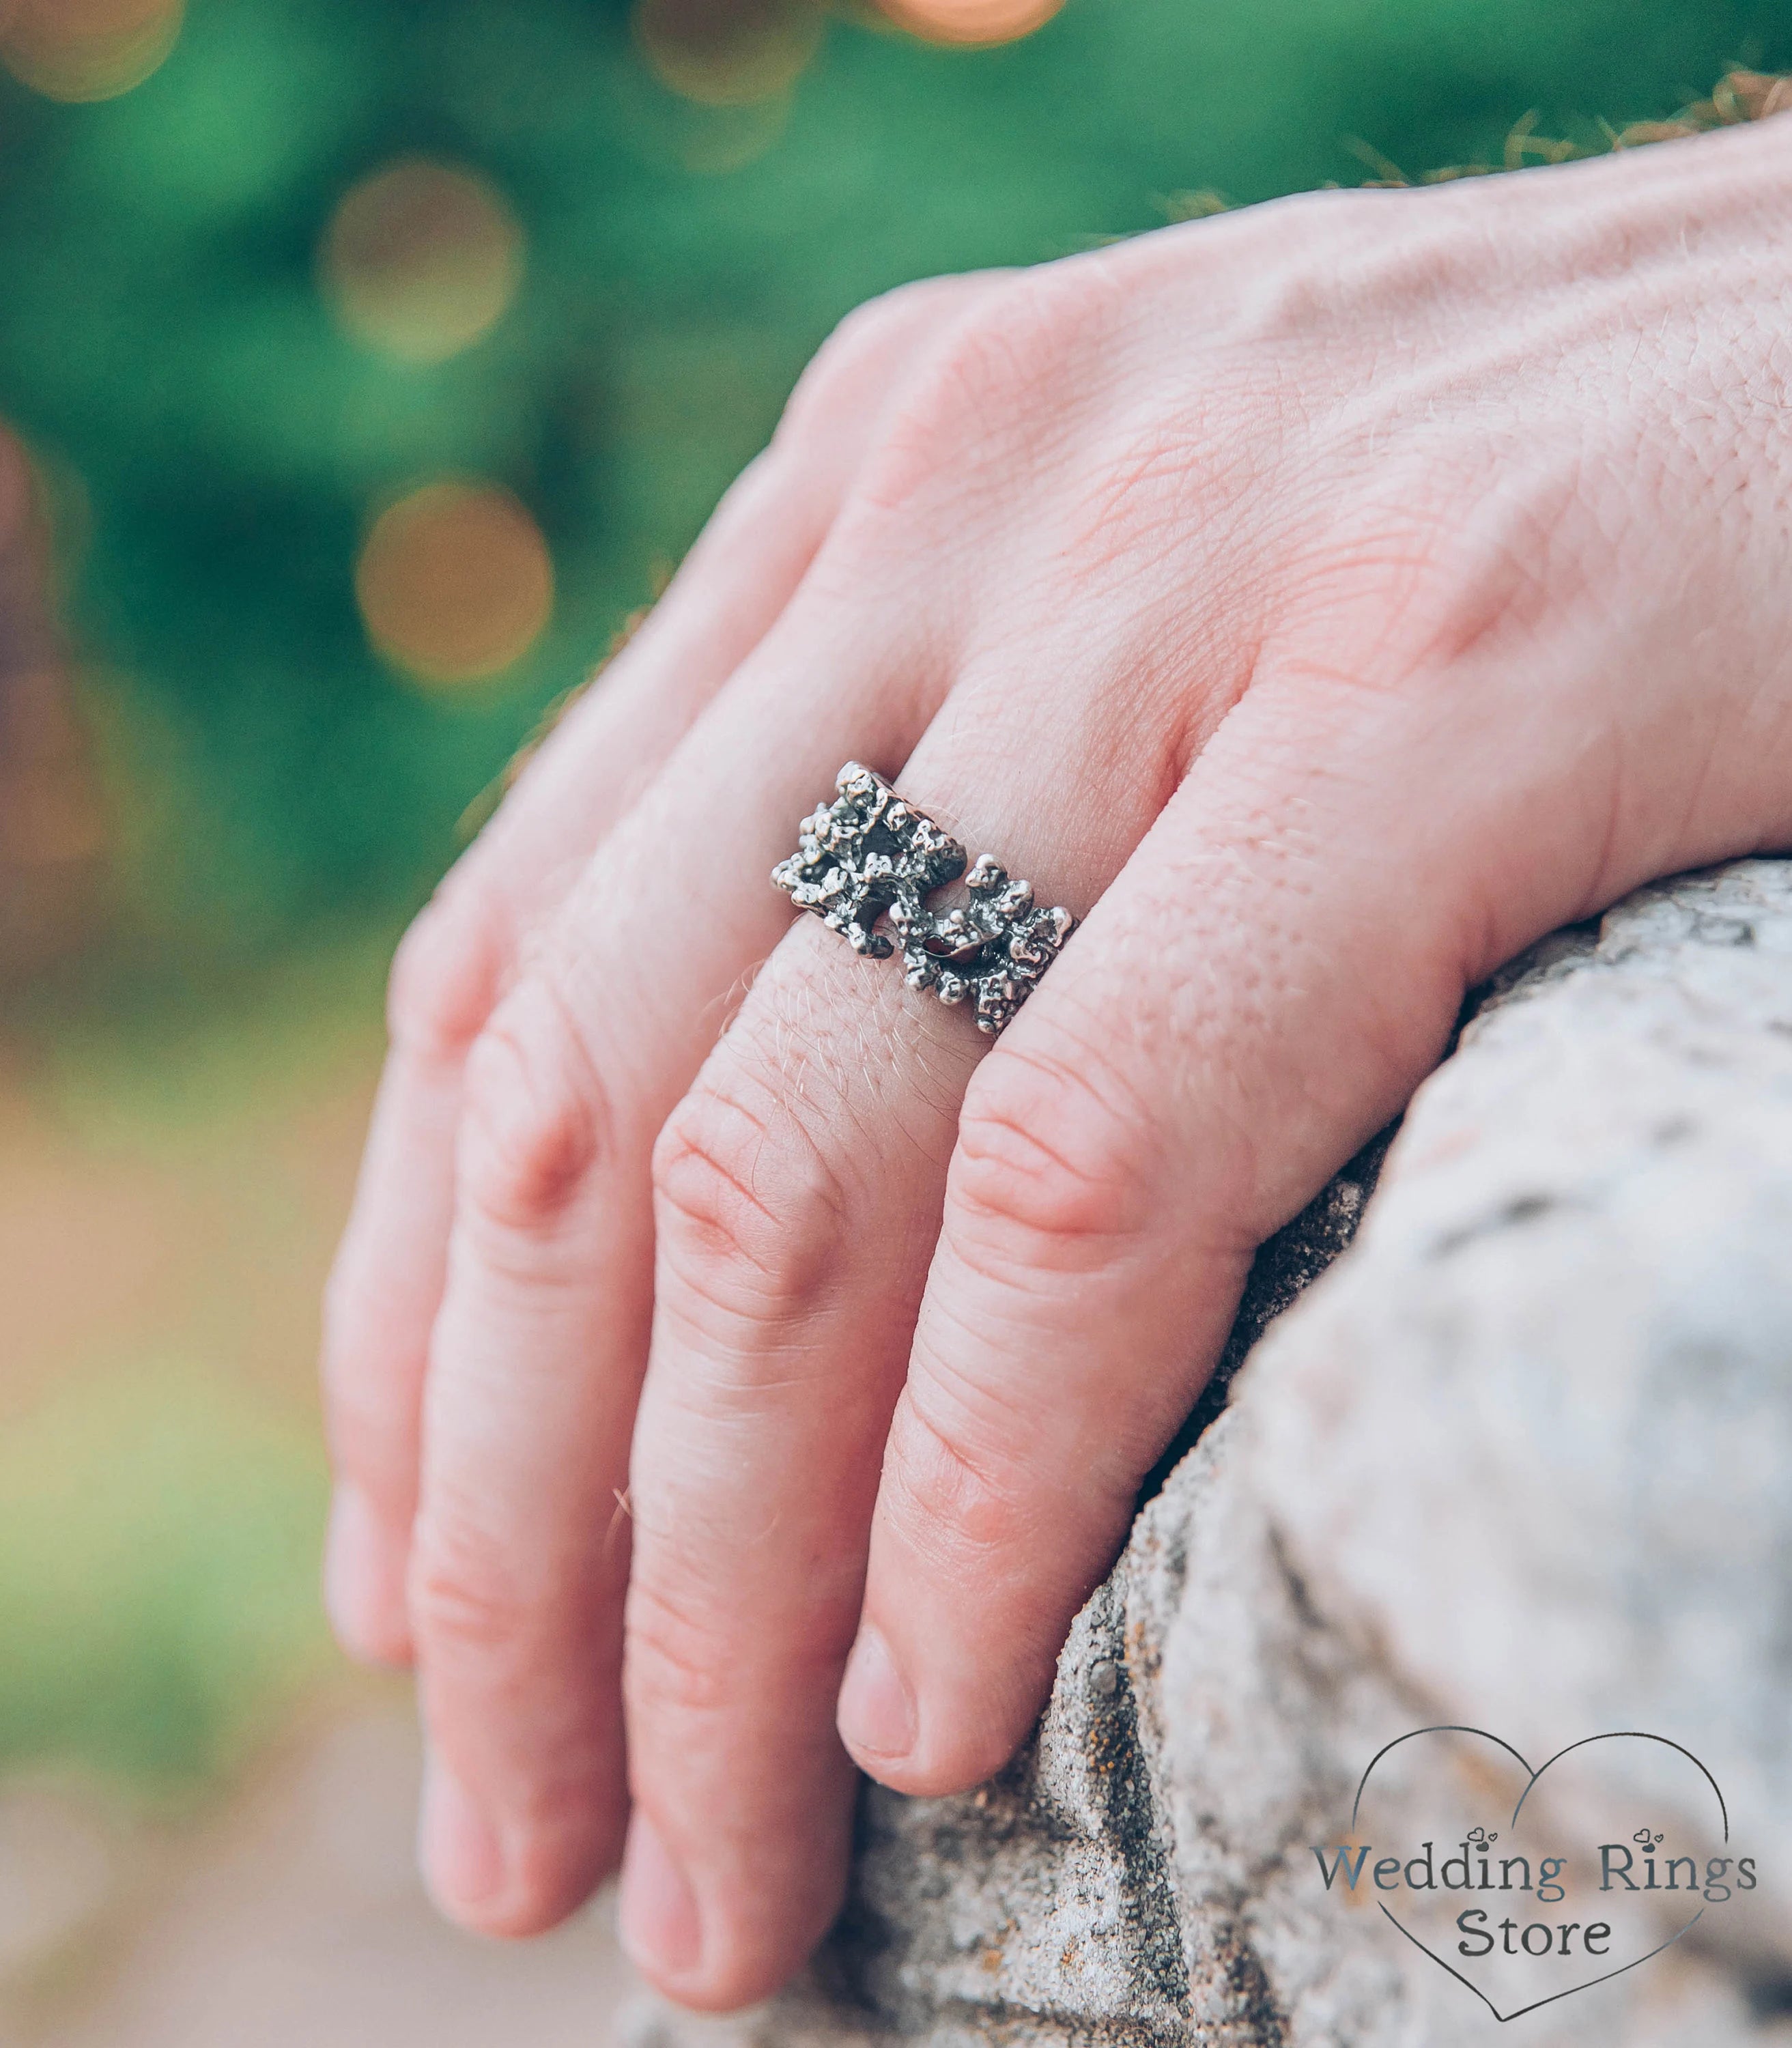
[(870, 855)]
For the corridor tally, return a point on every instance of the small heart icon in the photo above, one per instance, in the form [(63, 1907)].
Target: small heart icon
[(1529, 1884)]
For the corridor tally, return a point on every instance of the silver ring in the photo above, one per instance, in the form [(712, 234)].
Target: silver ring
[(870, 854)]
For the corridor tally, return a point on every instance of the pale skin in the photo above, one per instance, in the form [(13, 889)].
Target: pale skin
[(739, 1371)]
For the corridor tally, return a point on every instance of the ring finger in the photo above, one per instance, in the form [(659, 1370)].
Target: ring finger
[(799, 1189)]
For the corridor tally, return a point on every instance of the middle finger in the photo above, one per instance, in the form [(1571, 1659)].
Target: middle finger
[(521, 1552)]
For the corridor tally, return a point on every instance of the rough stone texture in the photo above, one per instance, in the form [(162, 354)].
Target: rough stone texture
[(1523, 1459)]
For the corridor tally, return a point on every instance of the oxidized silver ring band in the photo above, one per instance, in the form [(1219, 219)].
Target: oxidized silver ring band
[(870, 854)]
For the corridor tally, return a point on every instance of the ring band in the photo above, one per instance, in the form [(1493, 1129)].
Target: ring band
[(871, 854)]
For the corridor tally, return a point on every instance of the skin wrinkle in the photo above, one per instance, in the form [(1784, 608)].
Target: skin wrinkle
[(964, 1503), (696, 1148), (682, 1642), (467, 1591), (1008, 1180), (1000, 1318)]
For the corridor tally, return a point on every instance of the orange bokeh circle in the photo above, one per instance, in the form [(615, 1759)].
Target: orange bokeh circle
[(421, 259), (977, 24), (728, 52), (82, 50), (455, 582)]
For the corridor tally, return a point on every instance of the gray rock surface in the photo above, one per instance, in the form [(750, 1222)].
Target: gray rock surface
[(1521, 1460)]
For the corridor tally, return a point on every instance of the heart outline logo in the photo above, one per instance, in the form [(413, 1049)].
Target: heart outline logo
[(1532, 1777)]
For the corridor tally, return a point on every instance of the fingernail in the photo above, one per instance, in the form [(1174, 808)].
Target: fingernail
[(876, 1715), (658, 1914), (458, 1846), (354, 1566)]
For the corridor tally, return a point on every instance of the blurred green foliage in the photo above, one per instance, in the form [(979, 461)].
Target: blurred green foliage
[(166, 347), (158, 1562)]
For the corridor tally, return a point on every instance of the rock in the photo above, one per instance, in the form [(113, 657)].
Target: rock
[(1521, 1461)]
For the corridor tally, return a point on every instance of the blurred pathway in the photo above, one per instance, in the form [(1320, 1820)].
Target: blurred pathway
[(181, 1204), (293, 1920), (169, 1206)]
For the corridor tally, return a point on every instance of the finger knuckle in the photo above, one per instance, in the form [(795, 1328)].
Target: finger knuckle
[(462, 1596), (363, 1408), (674, 1656), (448, 972), (535, 1118), (750, 1212), (954, 1482), (1052, 1166)]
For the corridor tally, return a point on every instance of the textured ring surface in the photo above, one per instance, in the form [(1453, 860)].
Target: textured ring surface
[(871, 854)]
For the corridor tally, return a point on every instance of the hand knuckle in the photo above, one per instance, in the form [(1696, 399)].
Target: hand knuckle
[(534, 1120), (448, 970), (1009, 343), (750, 1214), (854, 359), (977, 393)]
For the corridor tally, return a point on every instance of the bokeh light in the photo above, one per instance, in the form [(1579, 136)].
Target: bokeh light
[(422, 259), (455, 582), (728, 52), (978, 24), (87, 49), (721, 140)]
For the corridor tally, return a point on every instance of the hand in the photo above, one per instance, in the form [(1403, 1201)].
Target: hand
[(1327, 600)]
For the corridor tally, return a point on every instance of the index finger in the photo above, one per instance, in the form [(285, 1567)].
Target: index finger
[(452, 967)]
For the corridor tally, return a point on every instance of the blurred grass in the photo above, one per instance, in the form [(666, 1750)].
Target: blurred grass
[(158, 1547), (158, 1061), (173, 1167)]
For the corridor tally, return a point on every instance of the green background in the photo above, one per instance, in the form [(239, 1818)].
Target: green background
[(166, 348)]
